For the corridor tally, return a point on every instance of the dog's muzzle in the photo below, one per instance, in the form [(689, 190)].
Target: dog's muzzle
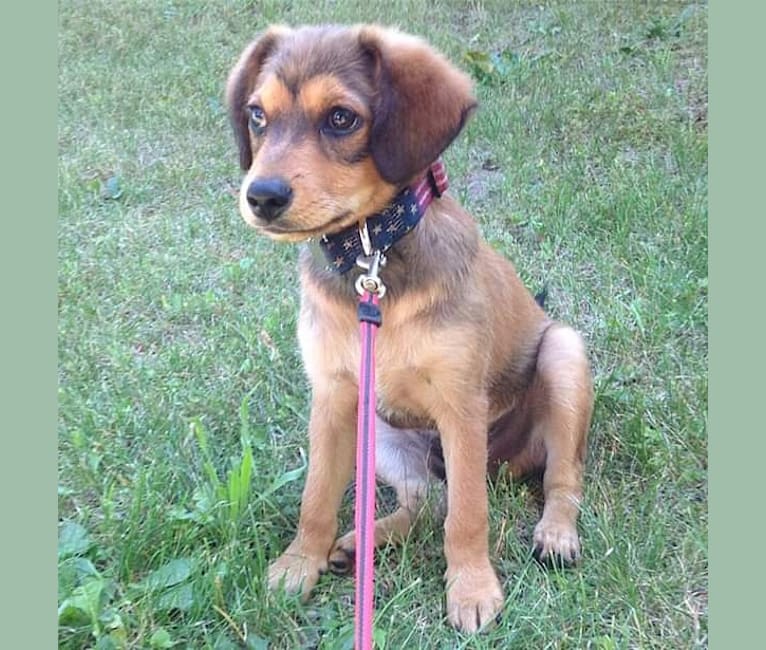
[(269, 197)]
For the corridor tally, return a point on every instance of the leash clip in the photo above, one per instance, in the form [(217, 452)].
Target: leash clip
[(370, 281), (364, 236)]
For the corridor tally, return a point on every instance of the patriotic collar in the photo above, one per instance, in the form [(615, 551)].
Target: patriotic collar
[(389, 226)]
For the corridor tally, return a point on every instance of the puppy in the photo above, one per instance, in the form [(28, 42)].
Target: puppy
[(339, 127)]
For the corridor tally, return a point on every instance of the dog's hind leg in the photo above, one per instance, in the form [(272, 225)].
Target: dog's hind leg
[(562, 418), (402, 461)]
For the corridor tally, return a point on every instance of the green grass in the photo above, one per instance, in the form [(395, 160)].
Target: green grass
[(183, 404)]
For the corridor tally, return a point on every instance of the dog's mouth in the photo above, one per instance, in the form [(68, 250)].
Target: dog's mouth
[(284, 231)]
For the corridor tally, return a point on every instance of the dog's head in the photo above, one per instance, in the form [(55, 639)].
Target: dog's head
[(332, 122)]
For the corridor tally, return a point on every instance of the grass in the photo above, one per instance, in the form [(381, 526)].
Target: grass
[(183, 404)]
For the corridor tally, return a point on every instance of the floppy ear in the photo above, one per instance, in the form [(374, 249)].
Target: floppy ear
[(241, 84), (423, 102)]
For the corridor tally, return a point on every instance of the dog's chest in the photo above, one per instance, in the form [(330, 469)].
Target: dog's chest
[(404, 393), (406, 356)]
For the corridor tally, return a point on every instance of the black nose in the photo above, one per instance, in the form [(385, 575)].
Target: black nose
[(268, 197)]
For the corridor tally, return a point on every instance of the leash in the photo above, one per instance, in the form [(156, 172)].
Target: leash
[(358, 247), (370, 289)]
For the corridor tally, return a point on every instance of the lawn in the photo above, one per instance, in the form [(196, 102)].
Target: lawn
[(182, 403)]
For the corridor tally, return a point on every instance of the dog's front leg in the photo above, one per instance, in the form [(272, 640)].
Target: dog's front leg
[(331, 462), (474, 596)]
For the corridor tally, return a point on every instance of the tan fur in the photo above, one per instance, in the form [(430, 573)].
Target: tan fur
[(465, 356)]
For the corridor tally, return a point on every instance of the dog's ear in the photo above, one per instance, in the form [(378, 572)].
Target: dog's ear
[(241, 83), (422, 104)]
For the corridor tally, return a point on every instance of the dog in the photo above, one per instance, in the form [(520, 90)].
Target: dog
[(338, 127)]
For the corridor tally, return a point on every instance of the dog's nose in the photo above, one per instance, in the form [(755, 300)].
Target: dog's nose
[(268, 197)]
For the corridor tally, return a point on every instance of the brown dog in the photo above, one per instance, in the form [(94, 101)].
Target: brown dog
[(333, 125)]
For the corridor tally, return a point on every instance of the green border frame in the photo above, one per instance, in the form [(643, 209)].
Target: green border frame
[(28, 258), (736, 376)]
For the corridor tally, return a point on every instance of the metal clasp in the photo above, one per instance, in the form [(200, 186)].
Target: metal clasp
[(371, 281), (364, 236)]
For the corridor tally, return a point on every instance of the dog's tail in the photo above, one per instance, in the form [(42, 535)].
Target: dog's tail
[(542, 296)]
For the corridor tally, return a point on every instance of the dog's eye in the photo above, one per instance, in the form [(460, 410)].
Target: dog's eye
[(257, 119), (341, 121)]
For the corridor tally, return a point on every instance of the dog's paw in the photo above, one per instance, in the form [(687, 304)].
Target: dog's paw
[(474, 598), (556, 544), (295, 573), (343, 555)]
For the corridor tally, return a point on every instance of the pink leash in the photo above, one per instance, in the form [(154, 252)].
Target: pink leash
[(364, 516), (370, 289)]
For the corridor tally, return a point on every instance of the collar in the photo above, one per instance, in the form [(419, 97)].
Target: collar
[(389, 226)]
